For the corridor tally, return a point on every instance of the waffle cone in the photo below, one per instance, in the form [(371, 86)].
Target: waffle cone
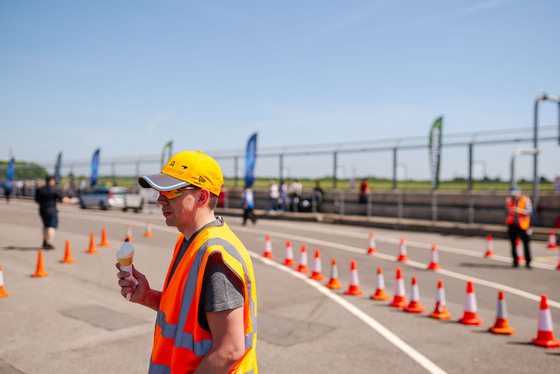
[(126, 261)]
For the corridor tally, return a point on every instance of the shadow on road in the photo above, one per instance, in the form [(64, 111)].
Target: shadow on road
[(16, 248)]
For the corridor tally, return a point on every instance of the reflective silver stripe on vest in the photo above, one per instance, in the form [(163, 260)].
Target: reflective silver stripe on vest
[(176, 331), (158, 369)]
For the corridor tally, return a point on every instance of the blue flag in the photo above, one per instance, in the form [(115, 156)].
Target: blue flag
[(250, 159), (57, 168), (95, 167), (11, 168)]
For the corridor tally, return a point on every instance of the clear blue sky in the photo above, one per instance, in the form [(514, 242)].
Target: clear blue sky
[(128, 76)]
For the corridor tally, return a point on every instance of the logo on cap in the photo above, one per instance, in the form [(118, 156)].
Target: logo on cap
[(201, 179)]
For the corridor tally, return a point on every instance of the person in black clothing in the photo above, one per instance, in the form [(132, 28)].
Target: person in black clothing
[(47, 197)]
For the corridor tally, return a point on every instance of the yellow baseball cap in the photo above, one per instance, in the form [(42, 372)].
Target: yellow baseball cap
[(184, 169)]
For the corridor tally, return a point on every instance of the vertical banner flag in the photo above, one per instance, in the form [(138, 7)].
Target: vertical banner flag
[(250, 159), (166, 154), (11, 168), (435, 151), (57, 168), (94, 167)]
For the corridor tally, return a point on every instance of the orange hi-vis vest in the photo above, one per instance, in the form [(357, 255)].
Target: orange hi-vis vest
[(179, 341), (523, 219)]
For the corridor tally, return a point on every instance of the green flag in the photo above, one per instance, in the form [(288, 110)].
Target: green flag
[(435, 151), (166, 154)]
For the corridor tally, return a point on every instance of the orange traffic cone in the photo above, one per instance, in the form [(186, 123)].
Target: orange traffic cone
[(148, 233), (402, 252), (316, 274), (380, 291), (128, 234), (489, 246), (470, 317), (371, 247), (440, 311), (434, 259), (289, 260), (501, 326), (414, 305), (552, 240), (558, 266), (268, 248), (40, 272), (302, 268), (91, 248), (519, 250), (67, 256), (104, 242), (3, 293), (354, 286), (334, 284), (398, 298), (545, 335)]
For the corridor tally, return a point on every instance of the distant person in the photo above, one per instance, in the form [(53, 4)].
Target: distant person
[(47, 197), (273, 196), (248, 205), (284, 196), (519, 210), (363, 196), (8, 187), (297, 189), (318, 194), (83, 187)]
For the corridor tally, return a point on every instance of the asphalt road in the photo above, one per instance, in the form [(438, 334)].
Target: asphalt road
[(75, 321)]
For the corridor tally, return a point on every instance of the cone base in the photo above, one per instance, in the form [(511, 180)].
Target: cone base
[(289, 263), (402, 258), (371, 251), (3, 293), (317, 276), (67, 261), (398, 302), (552, 246), (505, 330), (40, 275), (129, 238), (333, 284), (303, 269), (434, 266), (473, 321), (268, 255), (441, 315), (489, 254), (380, 295), (103, 244), (148, 235), (92, 250), (414, 308), (354, 291), (552, 343)]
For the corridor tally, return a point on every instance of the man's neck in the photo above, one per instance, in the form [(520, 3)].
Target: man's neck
[(200, 220)]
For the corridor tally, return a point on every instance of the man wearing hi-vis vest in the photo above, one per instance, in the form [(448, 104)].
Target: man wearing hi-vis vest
[(519, 210), (207, 311)]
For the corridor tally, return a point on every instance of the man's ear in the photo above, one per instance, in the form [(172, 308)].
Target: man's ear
[(203, 197)]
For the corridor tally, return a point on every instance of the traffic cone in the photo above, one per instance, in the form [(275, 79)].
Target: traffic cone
[(470, 317), (545, 335), (67, 256), (289, 261), (128, 234), (91, 248), (316, 274), (558, 267), (440, 311), (519, 250), (3, 293), (40, 272), (302, 268), (489, 246), (380, 291), (354, 286), (398, 298), (414, 305), (268, 248), (402, 252), (104, 242), (148, 233), (334, 284), (371, 247), (434, 259), (552, 240), (501, 326)]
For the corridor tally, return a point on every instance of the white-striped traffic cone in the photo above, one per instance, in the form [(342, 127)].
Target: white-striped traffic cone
[(489, 246), (380, 291), (334, 284), (519, 250), (440, 311), (354, 286), (316, 274), (470, 317), (399, 296), (552, 240), (289, 260), (371, 245), (501, 326), (128, 234), (302, 268), (268, 248), (434, 259), (3, 293), (545, 335), (148, 233), (402, 252), (414, 305)]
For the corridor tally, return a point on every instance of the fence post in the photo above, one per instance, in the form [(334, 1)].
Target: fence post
[(335, 155), (399, 205), (434, 206), (369, 207), (471, 209), (395, 168)]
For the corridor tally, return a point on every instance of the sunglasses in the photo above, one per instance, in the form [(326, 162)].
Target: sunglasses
[(173, 194)]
